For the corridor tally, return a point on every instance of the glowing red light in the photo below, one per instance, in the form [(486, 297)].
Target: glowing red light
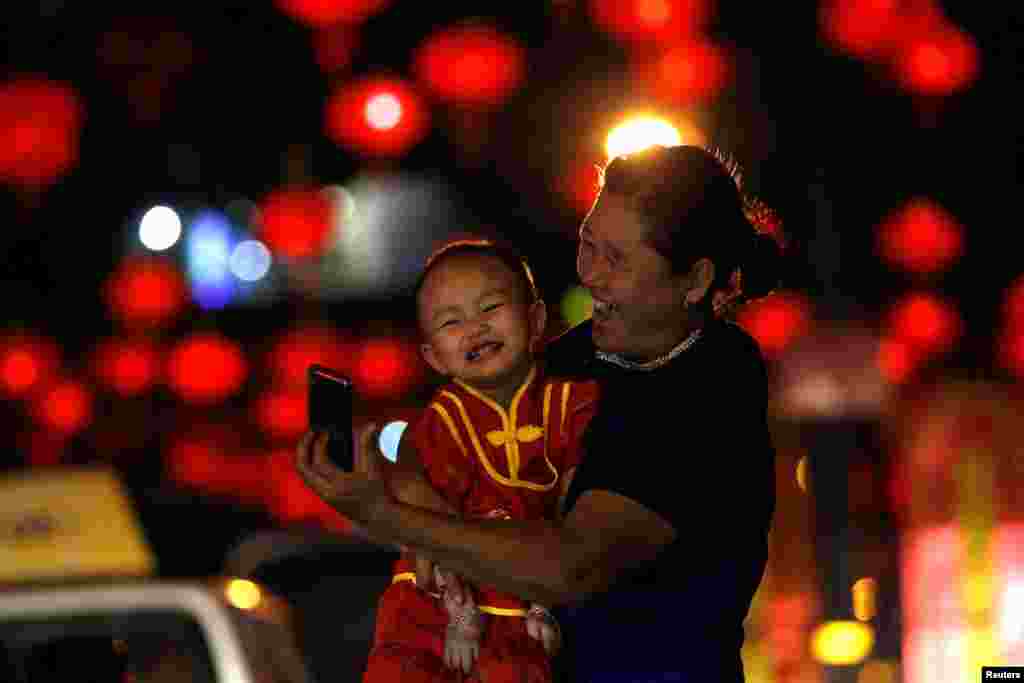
[(470, 65), (40, 122), (282, 413), (645, 21), (355, 113), (897, 359), (580, 186), (295, 222), (776, 321), (292, 354), (386, 367), (694, 71), (323, 13), (206, 368), (941, 61), (145, 292), (920, 237), (926, 322), (25, 362), (129, 367), (863, 28), (66, 406)]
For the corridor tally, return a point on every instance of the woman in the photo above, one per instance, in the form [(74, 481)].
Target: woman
[(664, 538)]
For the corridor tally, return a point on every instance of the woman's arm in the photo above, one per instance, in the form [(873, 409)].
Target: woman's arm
[(540, 560)]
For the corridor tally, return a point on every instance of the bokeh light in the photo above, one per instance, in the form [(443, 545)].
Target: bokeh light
[(145, 292), (65, 406), (40, 125), (159, 228), (386, 367), (243, 594), (939, 62), (129, 367), (639, 133), (865, 598), (926, 321), (293, 351), (651, 21), (842, 643), (281, 413), (325, 13), (920, 237), (689, 72), (361, 116), (576, 306), (208, 252), (206, 368), (250, 260), (470, 65), (776, 320), (26, 361), (870, 29), (295, 222)]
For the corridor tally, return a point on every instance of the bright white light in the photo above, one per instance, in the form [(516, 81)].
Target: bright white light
[(383, 111), (250, 260), (640, 133), (159, 228), (390, 437)]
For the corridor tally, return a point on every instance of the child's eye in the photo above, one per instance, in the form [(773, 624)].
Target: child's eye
[(446, 323)]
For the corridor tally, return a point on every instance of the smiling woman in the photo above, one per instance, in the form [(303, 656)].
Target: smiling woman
[(651, 567)]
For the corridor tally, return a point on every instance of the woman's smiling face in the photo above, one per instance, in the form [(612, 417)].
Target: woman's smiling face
[(637, 298)]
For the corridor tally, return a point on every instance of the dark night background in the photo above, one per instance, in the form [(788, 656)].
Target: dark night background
[(805, 122)]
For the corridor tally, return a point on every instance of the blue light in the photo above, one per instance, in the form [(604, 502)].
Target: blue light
[(208, 253)]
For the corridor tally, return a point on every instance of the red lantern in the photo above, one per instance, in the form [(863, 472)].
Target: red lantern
[(290, 500), (40, 123), (898, 359), (386, 367), (26, 361), (470, 65), (693, 71), (863, 28), (646, 21), (322, 13), (939, 61), (206, 368), (145, 292), (129, 367), (776, 320), (65, 406), (382, 117), (920, 237), (295, 222), (926, 322)]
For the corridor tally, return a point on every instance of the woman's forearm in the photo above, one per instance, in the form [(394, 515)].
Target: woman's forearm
[(524, 558)]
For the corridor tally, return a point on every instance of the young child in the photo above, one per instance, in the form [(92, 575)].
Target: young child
[(499, 440)]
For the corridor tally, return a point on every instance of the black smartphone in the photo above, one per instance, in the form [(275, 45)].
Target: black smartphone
[(330, 410)]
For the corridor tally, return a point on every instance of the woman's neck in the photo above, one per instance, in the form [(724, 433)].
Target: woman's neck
[(670, 339)]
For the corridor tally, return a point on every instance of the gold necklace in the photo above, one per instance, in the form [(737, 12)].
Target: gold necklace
[(616, 359)]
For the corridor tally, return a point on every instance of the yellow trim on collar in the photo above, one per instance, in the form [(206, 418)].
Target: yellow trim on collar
[(565, 402), (508, 423)]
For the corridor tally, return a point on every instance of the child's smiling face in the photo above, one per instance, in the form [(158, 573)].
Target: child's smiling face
[(478, 322)]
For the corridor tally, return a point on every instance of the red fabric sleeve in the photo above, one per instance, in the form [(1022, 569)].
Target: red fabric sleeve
[(447, 469)]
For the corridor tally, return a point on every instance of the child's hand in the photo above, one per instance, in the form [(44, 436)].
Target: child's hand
[(465, 623), (541, 625)]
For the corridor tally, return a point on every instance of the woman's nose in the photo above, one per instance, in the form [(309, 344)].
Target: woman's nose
[(587, 269)]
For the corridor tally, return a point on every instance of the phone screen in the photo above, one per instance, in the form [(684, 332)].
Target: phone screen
[(330, 410)]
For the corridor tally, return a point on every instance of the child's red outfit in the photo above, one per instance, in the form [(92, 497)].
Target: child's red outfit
[(487, 463)]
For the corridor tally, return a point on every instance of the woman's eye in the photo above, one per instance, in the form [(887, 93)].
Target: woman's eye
[(491, 307)]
